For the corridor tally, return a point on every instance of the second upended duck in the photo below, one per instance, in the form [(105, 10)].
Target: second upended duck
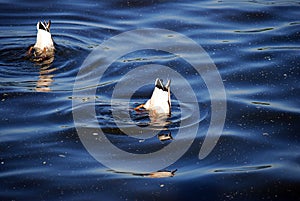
[(44, 45)]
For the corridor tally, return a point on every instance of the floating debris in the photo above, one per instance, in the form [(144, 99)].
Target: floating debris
[(260, 103), (162, 174), (165, 137), (158, 174), (244, 169), (135, 59), (255, 30), (83, 99)]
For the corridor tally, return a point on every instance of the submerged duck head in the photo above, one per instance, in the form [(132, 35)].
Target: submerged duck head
[(44, 39)]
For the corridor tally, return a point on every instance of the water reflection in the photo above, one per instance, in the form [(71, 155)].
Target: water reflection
[(44, 60), (158, 122), (165, 137), (45, 79)]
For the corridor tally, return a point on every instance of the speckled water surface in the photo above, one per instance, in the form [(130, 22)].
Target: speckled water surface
[(255, 46)]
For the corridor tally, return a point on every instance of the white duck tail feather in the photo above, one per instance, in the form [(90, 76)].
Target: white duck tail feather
[(160, 99), (44, 38)]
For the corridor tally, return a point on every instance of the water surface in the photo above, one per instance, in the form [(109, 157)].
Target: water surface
[(255, 46)]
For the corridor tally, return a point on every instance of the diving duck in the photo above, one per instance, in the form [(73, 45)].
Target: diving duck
[(44, 45), (160, 101)]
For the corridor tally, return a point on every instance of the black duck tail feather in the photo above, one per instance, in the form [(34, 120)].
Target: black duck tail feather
[(45, 26), (159, 84)]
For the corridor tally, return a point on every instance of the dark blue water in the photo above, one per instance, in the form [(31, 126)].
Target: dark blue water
[(255, 46)]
